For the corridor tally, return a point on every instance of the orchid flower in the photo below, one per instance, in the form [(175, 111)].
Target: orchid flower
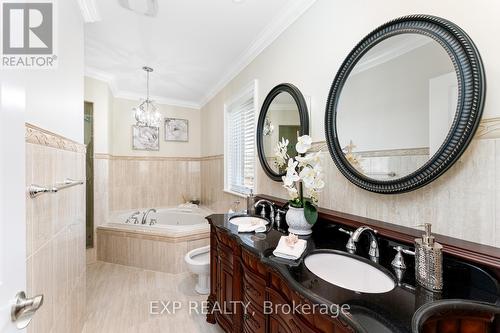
[(303, 144), (304, 174)]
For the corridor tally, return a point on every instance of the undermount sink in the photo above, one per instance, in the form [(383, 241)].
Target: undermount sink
[(247, 220), (350, 273)]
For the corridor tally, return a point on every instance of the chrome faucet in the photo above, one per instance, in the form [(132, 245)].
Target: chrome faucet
[(146, 213), (373, 252), (263, 204), (133, 217)]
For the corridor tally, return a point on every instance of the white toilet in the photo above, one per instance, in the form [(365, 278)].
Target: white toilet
[(198, 262)]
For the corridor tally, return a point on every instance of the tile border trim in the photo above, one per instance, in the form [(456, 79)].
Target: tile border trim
[(40, 136), (103, 156), (488, 129)]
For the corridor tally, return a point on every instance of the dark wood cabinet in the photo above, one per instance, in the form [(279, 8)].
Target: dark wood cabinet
[(225, 291), (238, 274), (286, 322), (242, 286)]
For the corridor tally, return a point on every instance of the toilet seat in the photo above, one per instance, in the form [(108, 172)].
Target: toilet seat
[(199, 256), (198, 262)]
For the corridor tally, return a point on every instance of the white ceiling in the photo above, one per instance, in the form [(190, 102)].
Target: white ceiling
[(194, 46)]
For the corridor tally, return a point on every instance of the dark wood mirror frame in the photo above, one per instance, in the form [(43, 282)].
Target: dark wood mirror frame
[(303, 116), (471, 96)]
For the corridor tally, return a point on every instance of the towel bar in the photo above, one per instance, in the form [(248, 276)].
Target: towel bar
[(37, 190)]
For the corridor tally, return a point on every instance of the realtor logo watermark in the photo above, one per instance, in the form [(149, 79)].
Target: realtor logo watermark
[(28, 34), (171, 307)]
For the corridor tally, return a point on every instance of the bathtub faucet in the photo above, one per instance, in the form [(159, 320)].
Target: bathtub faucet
[(146, 213), (133, 217)]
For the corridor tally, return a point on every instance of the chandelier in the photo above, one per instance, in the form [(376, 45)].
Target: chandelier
[(146, 114)]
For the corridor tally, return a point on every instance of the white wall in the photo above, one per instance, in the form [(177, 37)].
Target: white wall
[(54, 97), (123, 119), (309, 53), (113, 120)]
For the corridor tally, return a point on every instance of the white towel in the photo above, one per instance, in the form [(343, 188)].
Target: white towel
[(283, 250), (259, 227)]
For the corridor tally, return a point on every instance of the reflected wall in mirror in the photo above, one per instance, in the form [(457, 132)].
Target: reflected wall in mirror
[(398, 116), (282, 121), (283, 115), (397, 106)]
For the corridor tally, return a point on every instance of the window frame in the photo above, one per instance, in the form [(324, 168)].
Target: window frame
[(250, 90)]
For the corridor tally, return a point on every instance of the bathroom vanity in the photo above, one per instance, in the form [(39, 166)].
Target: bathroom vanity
[(249, 285)]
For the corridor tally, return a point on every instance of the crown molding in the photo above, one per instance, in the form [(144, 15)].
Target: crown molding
[(110, 80), (89, 11), (273, 30)]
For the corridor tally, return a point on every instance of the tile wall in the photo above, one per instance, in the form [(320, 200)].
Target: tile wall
[(463, 203), (55, 224)]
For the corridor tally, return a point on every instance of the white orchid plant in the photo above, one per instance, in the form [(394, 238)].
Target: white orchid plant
[(304, 175)]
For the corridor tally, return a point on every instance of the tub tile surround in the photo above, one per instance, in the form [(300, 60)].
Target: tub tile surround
[(125, 183), (55, 228), (212, 185), (144, 182), (146, 251)]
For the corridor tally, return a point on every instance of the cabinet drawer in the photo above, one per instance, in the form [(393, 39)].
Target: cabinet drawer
[(252, 262), (225, 254), (225, 238), (254, 321), (284, 321), (254, 288)]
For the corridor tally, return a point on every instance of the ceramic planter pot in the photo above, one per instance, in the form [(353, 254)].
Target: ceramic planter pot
[(297, 223)]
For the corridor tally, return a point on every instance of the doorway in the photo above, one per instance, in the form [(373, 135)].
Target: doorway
[(89, 162)]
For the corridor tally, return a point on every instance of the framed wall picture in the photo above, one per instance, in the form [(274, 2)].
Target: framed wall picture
[(176, 129), (145, 138)]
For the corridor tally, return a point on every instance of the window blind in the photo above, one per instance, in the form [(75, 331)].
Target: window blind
[(240, 159)]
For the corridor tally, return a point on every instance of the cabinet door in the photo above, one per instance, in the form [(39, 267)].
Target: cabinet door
[(225, 291)]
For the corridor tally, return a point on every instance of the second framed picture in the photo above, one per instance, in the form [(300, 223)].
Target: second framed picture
[(176, 129)]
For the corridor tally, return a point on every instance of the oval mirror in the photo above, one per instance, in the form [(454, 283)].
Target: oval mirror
[(283, 115), (405, 104)]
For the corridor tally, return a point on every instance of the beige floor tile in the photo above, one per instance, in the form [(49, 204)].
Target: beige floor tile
[(118, 300)]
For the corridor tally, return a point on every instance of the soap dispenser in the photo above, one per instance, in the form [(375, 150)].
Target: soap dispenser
[(429, 261), (251, 203)]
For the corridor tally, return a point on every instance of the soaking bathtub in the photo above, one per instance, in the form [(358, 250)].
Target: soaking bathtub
[(173, 221), (158, 247)]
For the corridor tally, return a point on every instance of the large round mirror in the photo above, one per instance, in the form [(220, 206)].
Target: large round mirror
[(405, 104), (283, 116)]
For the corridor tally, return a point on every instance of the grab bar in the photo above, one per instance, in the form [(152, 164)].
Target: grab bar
[(37, 190)]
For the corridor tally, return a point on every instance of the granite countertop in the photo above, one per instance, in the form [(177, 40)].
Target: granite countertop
[(385, 312)]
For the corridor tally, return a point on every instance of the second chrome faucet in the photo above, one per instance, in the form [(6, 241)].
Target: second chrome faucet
[(351, 245)]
